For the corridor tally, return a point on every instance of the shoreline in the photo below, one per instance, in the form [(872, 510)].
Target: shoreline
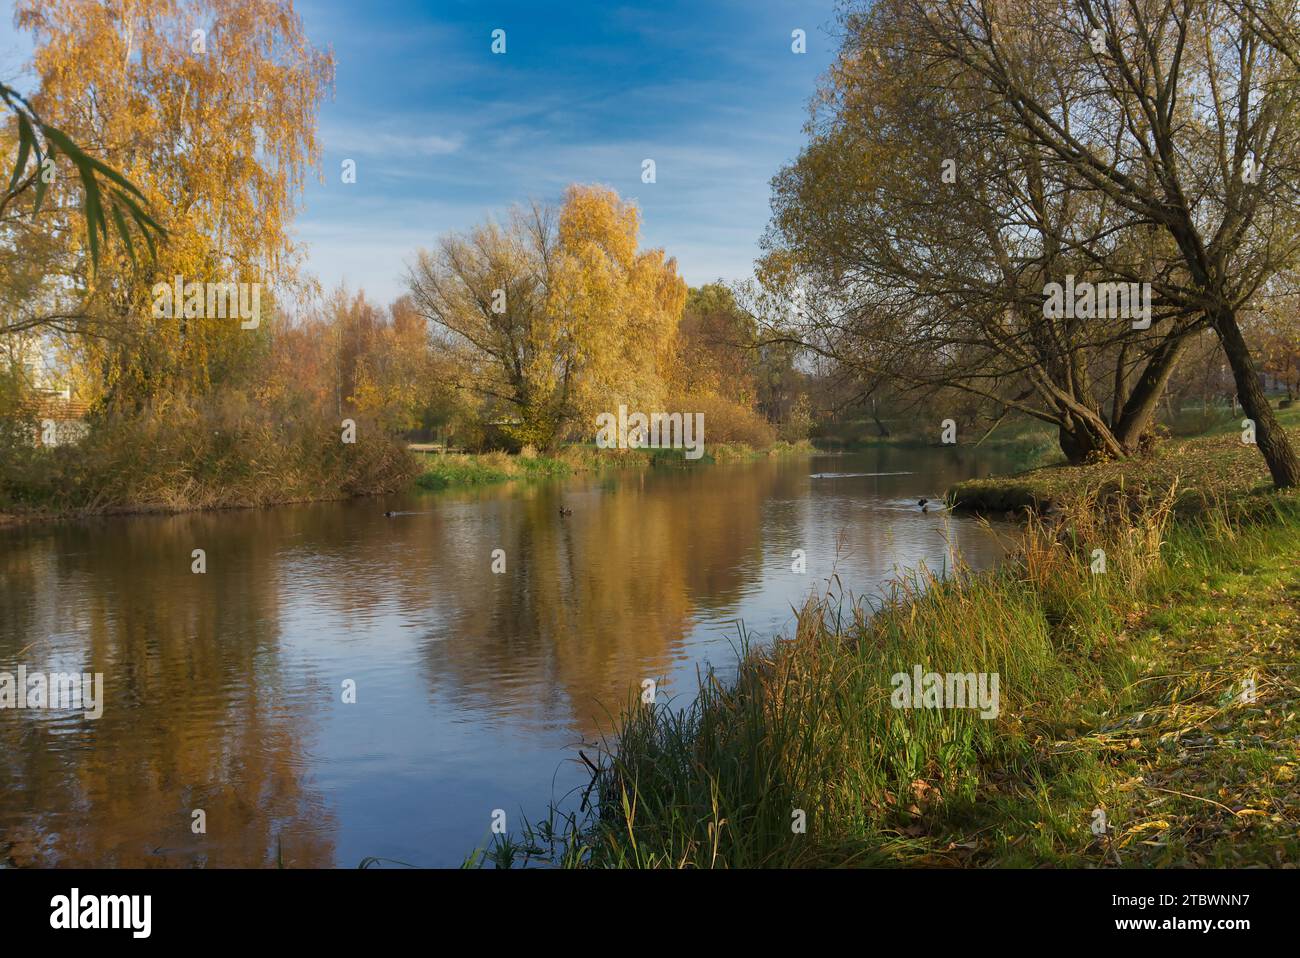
[(1149, 704), (474, 469), (163, 509), (453, 470), (1206, 469)]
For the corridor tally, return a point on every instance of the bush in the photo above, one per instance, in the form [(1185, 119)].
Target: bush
[(728, 422), (215, 451), (800, 422)]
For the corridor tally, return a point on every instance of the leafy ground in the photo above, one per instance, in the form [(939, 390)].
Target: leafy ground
[(1200, 770), (1193, 761)]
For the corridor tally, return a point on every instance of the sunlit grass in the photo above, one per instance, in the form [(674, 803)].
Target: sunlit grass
[(483, 468), (1117, 694), (1206, 468)]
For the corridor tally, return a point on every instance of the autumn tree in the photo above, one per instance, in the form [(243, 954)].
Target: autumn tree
[(209, 107), (109, 203), (717, 345), (389, 369), (1177, 114), (925, 232), (1276, 330), (555, 314), (967, 154)]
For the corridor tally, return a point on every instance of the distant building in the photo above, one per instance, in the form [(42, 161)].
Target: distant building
[(59, 419)]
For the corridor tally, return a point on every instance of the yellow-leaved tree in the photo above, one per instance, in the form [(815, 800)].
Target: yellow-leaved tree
[(620, 307), (555, 315), (209, 107)]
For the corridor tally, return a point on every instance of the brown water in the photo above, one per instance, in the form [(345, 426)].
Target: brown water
[(223, 691)]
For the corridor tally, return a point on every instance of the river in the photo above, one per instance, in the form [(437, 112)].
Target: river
[(226, 695)]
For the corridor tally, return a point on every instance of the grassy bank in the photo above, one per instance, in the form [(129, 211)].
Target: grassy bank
[(441, 471), (1205, 468), (1147, 716)]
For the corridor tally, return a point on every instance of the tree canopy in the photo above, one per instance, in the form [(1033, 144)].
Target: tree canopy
[(967, 154), (556, 313)]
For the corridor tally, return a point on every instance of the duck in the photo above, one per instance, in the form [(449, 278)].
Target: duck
[(565, 512), (389, 515), (922, 504)]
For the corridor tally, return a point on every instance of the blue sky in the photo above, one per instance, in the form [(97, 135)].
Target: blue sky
[(445, 133)]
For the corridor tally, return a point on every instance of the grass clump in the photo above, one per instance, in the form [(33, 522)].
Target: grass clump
[(211, 452), (469, 470)]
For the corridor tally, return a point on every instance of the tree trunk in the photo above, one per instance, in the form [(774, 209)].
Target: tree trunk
[(1080, 439), (1269, 435), (1120, 399), (1141, 403), (1075, 446), (884, 431)]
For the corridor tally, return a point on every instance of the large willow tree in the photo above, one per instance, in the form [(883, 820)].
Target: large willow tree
[(209, 108)]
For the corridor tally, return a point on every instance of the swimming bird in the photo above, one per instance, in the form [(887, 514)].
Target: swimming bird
[(922, 505), (565, 512), (388, 515)]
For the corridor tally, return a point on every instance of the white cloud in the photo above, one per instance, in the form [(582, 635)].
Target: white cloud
[(373, 143)]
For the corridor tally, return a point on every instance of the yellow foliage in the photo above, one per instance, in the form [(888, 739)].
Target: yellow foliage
[(556, 316), (216, 132)]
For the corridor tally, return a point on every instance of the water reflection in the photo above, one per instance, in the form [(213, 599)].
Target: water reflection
[(223, 691)]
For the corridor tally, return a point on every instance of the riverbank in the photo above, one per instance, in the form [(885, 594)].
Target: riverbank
[(1205, 468), (442, 471), (64, 488), (1146, 710), (137, 470)]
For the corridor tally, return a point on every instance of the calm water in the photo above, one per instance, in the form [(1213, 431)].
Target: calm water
[(223, 691)]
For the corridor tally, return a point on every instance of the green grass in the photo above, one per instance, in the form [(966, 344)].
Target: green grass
[(467, 470), (440, 472), (1188, 770), (1120, 692), (1220, 419)]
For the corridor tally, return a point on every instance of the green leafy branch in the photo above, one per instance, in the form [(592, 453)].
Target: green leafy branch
[(109, 196)]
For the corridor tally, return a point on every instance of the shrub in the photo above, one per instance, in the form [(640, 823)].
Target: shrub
[(727, 421), (215, 451)]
